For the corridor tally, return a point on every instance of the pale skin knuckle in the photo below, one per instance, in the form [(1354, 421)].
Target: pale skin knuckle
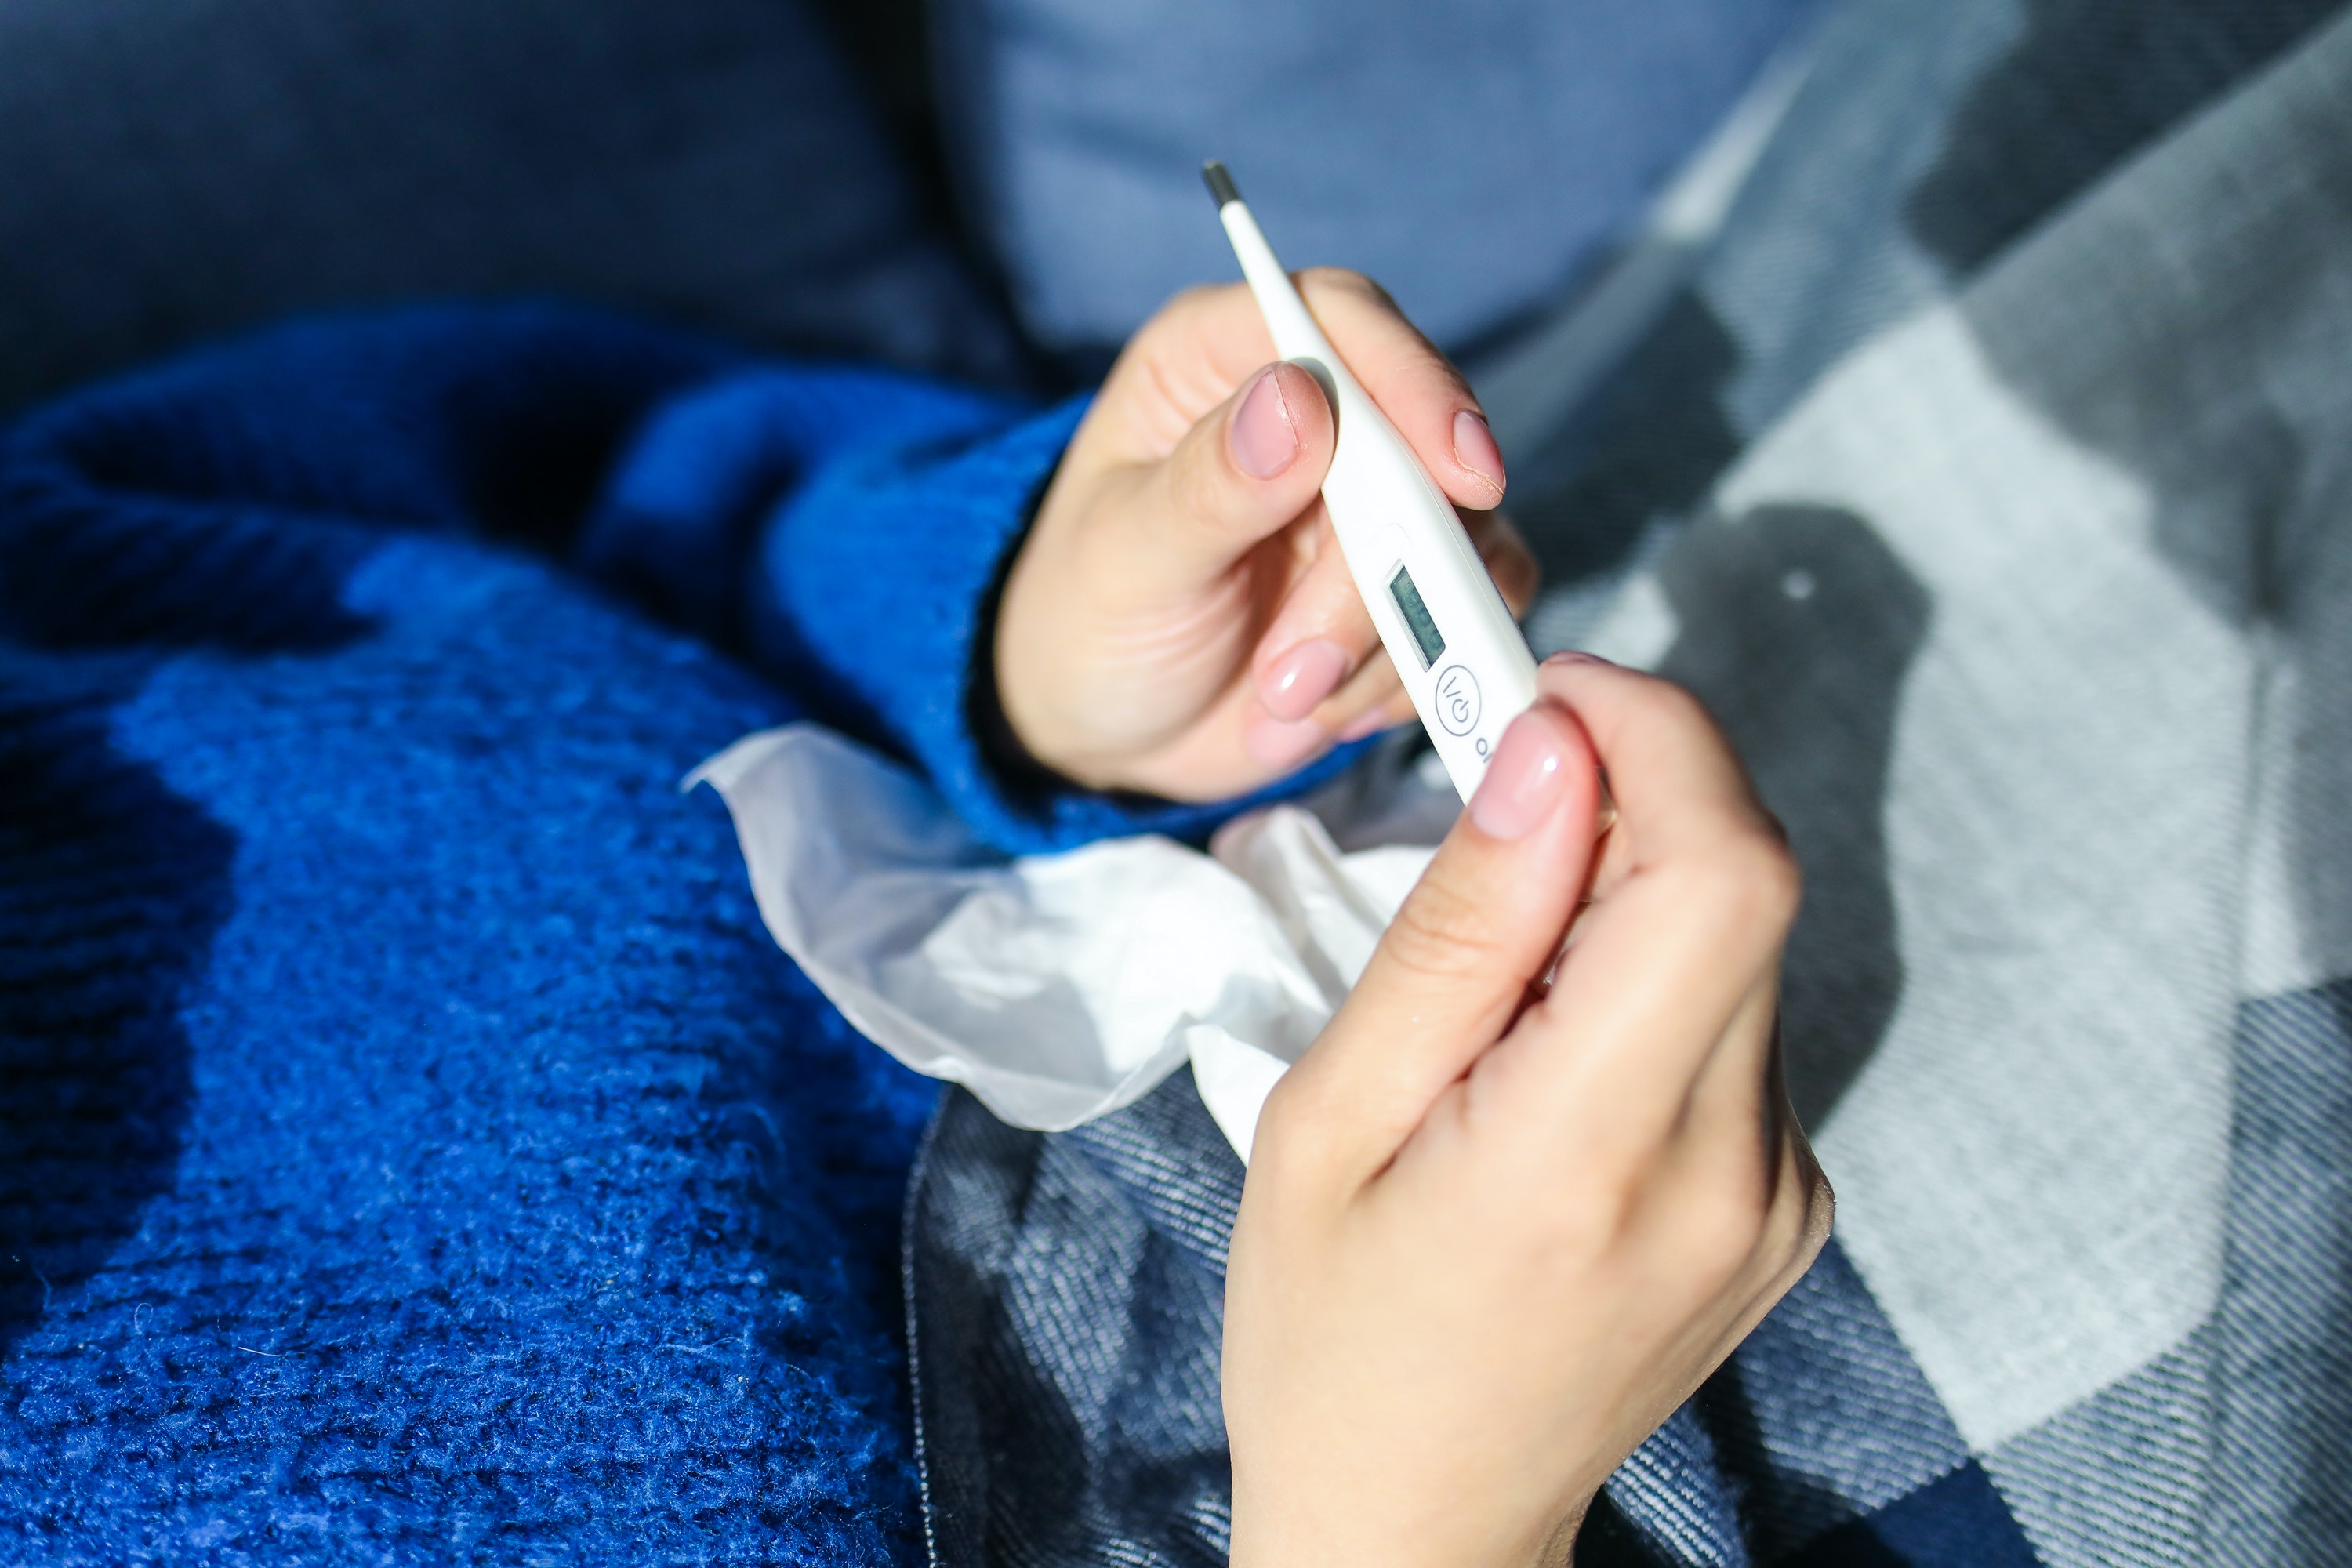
[(1626, 1184), (1179, 316), (1723, 1233), (1295, 1133), (1776, 883), (1193, 487), (1617, 1204), (1646, 712), (1726, 1196), (1279, 1117), (1669, 706), (1751, 880), (1345, 280), (1596, 1216), (1442, 933)]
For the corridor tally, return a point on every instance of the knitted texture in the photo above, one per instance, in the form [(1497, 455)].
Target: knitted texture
[(412, 1146)]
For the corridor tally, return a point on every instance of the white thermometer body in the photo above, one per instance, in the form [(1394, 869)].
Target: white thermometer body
[(1446, 628)]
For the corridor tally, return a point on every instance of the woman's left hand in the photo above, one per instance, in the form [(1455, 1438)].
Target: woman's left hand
[(1180, 621)]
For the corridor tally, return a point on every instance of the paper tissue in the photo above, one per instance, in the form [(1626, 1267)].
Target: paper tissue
[(1060, 988)]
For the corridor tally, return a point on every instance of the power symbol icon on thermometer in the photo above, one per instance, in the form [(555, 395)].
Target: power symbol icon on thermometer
[(1457, 700)]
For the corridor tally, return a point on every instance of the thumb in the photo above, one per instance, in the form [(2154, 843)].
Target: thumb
[(1246, 468), (1455, 966)]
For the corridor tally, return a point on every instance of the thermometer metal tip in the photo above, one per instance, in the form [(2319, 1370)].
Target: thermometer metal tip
[(1221, 184)]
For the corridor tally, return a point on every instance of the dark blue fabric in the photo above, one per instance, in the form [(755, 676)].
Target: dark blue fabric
[(412, 1146), (1472, 156), (177, 172), (1956, 1521), (2285, 1318), (1067, 1292)]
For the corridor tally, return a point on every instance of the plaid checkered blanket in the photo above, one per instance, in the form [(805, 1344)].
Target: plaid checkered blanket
[(1991, 478)]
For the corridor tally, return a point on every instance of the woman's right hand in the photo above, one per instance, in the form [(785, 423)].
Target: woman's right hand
[(1493, 1234)]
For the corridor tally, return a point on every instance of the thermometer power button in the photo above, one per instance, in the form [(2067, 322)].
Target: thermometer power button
[(1457, 700)]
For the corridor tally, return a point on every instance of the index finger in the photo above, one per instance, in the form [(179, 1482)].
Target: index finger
[(1676, 785), (1455, 963), (1201, 345), (1684, 936), (1416, 387)]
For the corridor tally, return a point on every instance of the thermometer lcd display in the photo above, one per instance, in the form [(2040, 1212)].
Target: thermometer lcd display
[(1416, 616)]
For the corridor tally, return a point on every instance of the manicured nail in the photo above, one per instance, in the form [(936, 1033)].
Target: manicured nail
[(1276, 743), (1370, 723), (1475, 448), (1264, 441), (1295, 684), (1578, 656), (1525, 781)]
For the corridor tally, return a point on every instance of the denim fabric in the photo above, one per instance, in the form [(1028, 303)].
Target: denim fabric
[(1064, 1308), (2125, 1475), (2282, 1482), (1064, 1311), (1850, 221), (2233, 1449), (1823, 1414)]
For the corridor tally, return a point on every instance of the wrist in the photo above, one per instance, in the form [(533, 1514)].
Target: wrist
[(1278, 1538)]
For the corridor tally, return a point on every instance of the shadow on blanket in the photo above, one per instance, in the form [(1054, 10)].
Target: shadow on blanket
[(93, 1057), (1799, 626)]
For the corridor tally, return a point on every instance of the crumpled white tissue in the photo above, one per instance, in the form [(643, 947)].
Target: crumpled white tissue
[(1060, 988)]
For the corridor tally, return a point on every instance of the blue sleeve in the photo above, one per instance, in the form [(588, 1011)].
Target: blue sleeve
[(874, 589), (843, 528), (875, 514)]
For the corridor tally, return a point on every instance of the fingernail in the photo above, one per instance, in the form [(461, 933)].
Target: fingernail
[(1264, 441), (1296, 683), (1475, 448), (1370, 723), (1578, 656), (1278, 744), (1525, 780)]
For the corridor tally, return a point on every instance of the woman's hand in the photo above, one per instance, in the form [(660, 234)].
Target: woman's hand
[(1180, 621), (1492, 1234)]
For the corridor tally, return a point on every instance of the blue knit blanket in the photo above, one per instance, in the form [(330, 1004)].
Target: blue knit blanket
[(412, 1147)]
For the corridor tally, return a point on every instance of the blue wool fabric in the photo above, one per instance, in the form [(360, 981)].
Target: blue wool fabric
[(413, 1149)]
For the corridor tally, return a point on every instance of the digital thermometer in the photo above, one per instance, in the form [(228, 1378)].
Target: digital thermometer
[(1446, 628)]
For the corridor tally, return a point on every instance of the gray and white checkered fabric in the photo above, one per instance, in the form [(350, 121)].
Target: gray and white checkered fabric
[(1992, 481)]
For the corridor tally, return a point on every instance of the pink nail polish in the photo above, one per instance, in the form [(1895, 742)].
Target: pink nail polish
[(1296, 683), (1278, 745), (1526, 780), (1264, 440), (1578, 656), (1474, 449)]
